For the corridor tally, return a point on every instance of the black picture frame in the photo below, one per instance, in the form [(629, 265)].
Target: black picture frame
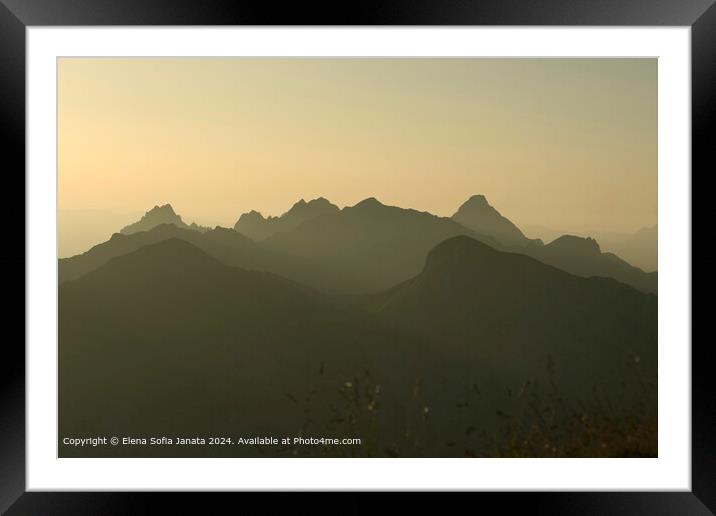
[(17, 15)]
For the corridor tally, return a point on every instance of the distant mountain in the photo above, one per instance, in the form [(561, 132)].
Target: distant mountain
[(159, 215), (175, 343), (573, 254), (510, 311), (364, 248), (477, 214), (575, 245), (641, 248), (78, 229), (377, 244), (583, 256), (544, 233), (226, 245), (255, 226)]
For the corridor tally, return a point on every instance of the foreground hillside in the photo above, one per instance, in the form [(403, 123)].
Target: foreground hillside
[(510, 311), (168, 340)]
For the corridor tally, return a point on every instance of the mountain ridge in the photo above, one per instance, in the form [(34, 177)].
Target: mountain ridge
[(508, 308), (227, 245), (158, 215), (369, 246), (233, 342), (380, 245), (254, 225)]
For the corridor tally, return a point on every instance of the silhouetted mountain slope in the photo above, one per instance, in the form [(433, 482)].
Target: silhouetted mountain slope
[(477, 214), (254, 225), (510, 311), (576, 255), (227, 245), (79, 265), (160, 215), (377, 244), (582, 256), (641, 248), (167, 340)]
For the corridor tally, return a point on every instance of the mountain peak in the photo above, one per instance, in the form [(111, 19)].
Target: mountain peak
[(369, 202), (163, 214), (477, 214), (477, 200), (319, 203), (576, 244), (456, 250), (173, 257), (164, 209), (251, 216), (254, 225)]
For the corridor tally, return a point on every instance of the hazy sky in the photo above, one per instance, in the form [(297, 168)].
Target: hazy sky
[(557, 143)]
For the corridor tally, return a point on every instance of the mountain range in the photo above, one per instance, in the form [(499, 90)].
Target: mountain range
[(181, 330), (381, 245), (367, 247)]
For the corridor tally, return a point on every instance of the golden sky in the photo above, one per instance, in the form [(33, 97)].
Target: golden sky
[(560, 143)]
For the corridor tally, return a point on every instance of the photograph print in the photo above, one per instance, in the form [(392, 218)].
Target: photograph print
[(357, 257)]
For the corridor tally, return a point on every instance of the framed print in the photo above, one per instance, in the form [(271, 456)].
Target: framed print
[(420, 249)]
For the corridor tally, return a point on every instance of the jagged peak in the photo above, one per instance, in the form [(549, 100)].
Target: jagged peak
[(476, 202), (164, 208), (157, 215), (576, 243), (163, 212), (251, 215), (319, 202), (477, 214), (478, 199)]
